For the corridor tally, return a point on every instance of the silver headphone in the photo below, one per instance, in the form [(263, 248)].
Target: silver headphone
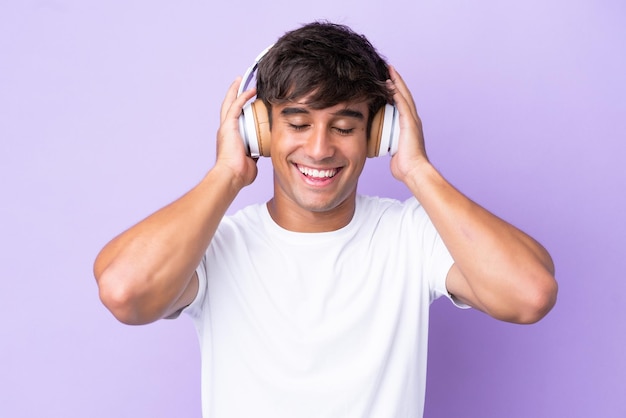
[(254, 123)]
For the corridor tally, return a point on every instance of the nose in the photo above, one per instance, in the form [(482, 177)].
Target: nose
[(319, 144)]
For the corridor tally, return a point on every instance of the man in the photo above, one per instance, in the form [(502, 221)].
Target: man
[(316, 303)]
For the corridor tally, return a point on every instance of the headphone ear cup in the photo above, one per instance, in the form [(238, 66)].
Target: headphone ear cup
[(247, 130), (262, 125), (384, 132), (254, 128), (373, 142)]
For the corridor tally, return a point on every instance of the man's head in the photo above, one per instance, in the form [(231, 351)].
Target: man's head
[(327, 63), (322, 84)]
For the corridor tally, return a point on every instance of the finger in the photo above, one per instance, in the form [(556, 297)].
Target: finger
[(237, 105), (231, 95), (407, 113), (403, 90), (233, 111)]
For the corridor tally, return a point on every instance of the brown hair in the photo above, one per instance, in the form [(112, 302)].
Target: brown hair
[(328, 62)]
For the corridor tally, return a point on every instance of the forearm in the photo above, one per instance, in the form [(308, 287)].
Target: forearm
[(503, 271), (145, 270), (498, 268)]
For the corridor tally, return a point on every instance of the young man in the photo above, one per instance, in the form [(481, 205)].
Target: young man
[(316, 302)]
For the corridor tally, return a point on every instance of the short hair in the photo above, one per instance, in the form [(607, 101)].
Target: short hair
[(327, 62)]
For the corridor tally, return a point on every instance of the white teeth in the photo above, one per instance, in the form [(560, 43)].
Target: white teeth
[(312, 172)]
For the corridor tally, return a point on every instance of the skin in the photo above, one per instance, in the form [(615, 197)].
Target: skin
[(498, 268), (318, 156), (148, 272)]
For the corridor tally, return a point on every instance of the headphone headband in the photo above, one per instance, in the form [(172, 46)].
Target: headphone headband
[(249, 74)]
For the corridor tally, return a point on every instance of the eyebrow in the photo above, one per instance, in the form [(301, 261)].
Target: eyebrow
[(351, 113), (343, 112), (293, 111)]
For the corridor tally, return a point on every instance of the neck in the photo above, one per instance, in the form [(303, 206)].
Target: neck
[(292, 217)]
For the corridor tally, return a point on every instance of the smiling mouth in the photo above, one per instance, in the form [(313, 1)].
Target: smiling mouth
[(315, 173)]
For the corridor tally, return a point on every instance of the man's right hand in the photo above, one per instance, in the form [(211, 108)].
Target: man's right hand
[(231, 153)]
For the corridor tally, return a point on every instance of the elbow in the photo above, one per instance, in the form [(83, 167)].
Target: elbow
[(539, 301), (122, 299)]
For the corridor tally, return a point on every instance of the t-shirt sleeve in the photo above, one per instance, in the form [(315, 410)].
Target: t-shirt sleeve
[(194, 309), (442, 263), (439, 261)]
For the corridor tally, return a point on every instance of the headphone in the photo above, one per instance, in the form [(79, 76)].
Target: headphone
[(254, 125)]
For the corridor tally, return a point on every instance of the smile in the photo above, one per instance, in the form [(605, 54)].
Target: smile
[(316, 173)]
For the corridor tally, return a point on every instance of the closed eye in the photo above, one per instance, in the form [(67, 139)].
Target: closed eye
[(344, 131), (298, 127)]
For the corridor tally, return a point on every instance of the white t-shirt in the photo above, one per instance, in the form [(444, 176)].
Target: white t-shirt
[(331, 324)]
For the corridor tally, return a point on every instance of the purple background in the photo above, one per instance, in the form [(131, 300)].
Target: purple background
[(108, 111)]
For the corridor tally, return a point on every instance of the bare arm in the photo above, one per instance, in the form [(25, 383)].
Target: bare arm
[(498, 268), (148, 272)]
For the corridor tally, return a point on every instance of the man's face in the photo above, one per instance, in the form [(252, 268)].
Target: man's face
[(318, 155)]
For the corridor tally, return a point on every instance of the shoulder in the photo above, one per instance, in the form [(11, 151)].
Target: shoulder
[(245, 217), (239, 225), (385, 206), (376, 203), (406, 220)]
